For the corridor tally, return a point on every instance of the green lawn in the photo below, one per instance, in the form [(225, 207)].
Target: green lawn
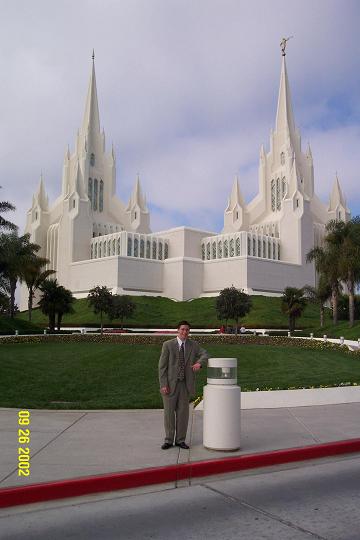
[(159, 312), (105, 375)]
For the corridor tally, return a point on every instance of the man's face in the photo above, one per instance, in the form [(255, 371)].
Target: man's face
[(183, 332)]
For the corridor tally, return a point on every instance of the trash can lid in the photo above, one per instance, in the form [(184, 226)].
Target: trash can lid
[(222, 362)]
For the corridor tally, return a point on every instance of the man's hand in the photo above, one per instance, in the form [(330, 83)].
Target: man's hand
[(164, 390), (196, 366)]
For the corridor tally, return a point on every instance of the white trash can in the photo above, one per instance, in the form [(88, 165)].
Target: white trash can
[(222, 405)]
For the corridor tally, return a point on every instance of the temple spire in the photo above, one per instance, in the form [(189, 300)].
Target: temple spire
[(91, 119), (284, 115)]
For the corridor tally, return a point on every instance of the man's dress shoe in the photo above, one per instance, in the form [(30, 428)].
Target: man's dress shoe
[(166, 446), (182, 445)]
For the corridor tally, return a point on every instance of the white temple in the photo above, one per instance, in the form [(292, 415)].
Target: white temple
[(92, 238)]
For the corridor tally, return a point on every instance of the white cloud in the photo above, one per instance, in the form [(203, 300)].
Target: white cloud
[(187, 92)]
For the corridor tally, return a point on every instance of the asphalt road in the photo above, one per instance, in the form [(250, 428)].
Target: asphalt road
[(318, 500)]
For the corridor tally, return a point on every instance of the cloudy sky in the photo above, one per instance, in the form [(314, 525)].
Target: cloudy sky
[(187, 93)]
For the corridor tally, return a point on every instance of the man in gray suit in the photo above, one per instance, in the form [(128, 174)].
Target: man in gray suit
[(180, 359)]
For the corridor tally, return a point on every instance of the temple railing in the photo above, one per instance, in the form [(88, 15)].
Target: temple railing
[(240, 244), (129, 244)]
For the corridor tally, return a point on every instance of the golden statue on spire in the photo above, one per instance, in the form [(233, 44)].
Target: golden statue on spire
[(283, 44)]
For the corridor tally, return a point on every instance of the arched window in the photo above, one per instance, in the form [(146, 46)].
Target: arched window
[(166, 254), (264, 249), (154, 249), (282, 158), (249, 245), (118, 246), (142, 248), (283, 184), (148, 249), (220, 250), (99, 250), (254, 246), (203, 252), (92, 160), (259, 247), (226, 249), (101, 197), (113, 247), (160, 251), (278, 196), (208, 251), (129, 246), (91, 251), (237, 246), (95, 199), (136, 247), (90, 191), (278, 252), (273, 203), (232, 247), (96, 249), (214, 250)]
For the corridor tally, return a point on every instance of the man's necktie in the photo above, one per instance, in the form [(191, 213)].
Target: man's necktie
[(181, 363)]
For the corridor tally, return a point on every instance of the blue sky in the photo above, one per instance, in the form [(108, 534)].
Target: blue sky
[(187, 94)]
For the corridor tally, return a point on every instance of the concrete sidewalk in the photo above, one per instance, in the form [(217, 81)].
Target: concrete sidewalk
[(70, 444)]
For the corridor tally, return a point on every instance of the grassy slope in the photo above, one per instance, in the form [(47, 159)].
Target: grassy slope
[(8, 326), (107, 375), (161, 312)]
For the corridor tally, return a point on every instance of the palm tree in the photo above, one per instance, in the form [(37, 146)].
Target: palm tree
[(293, 303), (326, 264), (15, 253), (345, 238), (55, 300), (64, 304), (34, 275), (4, 224), (319, 295)]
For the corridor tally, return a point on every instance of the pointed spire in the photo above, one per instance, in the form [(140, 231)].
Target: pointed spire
[(137, 198), (336, 196), (284, 115), (40, 196), (79, 184), (236, 198), (294, 183), (91, 115), (309, 152)]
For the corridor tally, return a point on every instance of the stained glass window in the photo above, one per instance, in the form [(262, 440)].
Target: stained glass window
[(278, 196), (203, 252), (238, 246), (160, 251), (90, 190), (154, 250), (129, 246), (148, 249), (118, 246), (95, 199), (273, 204), (220, 251), (136, 247), (214, 250), (283, 182), (226, 249), (232, 247), (208, 251), (101, 196), (92, 160), (166, 254), (249, 245), (142, 248)]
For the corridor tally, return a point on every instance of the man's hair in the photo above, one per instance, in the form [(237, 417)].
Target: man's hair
[(183, 323)]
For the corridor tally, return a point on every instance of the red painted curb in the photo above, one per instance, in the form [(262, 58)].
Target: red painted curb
[(75, 487)]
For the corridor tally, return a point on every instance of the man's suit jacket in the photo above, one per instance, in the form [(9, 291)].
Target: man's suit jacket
[(169, 363)]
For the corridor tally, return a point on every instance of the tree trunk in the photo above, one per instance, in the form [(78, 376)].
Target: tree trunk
[(59, 319), (52, 321), (12, 297), (321, 316), (334, 301), (101, 323), (236, 329), (30, 302), (351, 288)]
